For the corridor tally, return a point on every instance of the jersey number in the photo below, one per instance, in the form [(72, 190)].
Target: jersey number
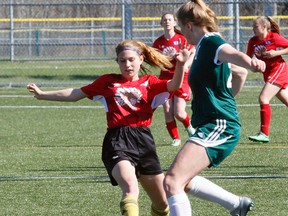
[(229, 81)]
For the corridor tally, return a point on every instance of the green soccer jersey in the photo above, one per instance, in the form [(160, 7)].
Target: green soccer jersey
[(211, 84)]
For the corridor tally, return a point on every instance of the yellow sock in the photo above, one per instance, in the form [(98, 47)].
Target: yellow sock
[(164, 212), (129, 206)]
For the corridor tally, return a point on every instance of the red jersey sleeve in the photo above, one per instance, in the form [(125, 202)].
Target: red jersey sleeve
[(250, 51), (280, 41), (95, 88)]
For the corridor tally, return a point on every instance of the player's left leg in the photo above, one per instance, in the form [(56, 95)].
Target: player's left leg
[(181, 114), (170, 122), (268, 92), (207, 190), (153, 185)]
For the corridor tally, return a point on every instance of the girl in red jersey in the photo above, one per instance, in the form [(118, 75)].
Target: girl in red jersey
[(130, 98), (169, 43), (268, 45)]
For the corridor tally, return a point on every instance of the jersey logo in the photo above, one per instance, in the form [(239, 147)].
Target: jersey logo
[(116, 85), (144, 84), (169, 51), (260, 50), (128, 96), (268, 42), (115, 157), (177, 42)]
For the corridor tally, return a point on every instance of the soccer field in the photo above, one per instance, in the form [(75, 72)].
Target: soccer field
[(50, 155)]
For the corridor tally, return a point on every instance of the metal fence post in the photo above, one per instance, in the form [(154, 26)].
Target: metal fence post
[(268, 9), (104, 42), (11, 32), (229, 22), (92, 37), (128, 19), (30, 39), (37, 33), (123, 19), (237, 24)]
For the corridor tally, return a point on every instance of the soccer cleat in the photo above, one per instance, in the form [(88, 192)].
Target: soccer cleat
[(261, 137), (245, 205), (176, 142), (190, 131)]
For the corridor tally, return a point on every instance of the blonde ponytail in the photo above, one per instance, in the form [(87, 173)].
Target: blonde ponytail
[(274, 27), (197, 12)]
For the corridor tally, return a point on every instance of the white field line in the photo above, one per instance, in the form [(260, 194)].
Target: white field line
[(22, 178), (84, 107), (51, 107), (101, 107), (90, 66), (15, 96)]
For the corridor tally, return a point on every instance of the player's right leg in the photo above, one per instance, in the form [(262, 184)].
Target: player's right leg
[(124, 174)]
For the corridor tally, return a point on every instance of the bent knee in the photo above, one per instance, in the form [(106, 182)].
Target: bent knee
[(180, 115), (167, 182), (263, 100), (171, 185)]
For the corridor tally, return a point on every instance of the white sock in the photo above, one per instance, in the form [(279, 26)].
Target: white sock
[(179, 204), (207, 190)]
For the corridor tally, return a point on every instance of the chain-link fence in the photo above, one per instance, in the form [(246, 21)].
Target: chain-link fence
[(90, 29), (37, 30)]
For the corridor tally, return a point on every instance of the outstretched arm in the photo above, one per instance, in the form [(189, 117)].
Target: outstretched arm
[(69, 94), (232, 55)]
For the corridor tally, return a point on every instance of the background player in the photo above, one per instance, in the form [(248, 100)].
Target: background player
[(268, 45), (169, 44)]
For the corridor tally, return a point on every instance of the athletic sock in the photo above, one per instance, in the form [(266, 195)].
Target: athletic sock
[(186, 122), (172, 129), (129, 206), (207, 190), (179, 205), (157, 212), (265, 115)]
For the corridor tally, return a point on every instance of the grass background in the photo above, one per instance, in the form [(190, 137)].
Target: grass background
[(50, 154)]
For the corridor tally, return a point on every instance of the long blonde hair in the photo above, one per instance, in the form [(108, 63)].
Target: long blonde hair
[(197, 12), (151, 55), (269, 22)]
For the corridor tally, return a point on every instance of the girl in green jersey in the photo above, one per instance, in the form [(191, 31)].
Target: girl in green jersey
[(215, 115)]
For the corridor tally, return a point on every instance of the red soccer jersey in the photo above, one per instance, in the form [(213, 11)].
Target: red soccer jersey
[(273, 41), (166, 46), (128, 103)]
